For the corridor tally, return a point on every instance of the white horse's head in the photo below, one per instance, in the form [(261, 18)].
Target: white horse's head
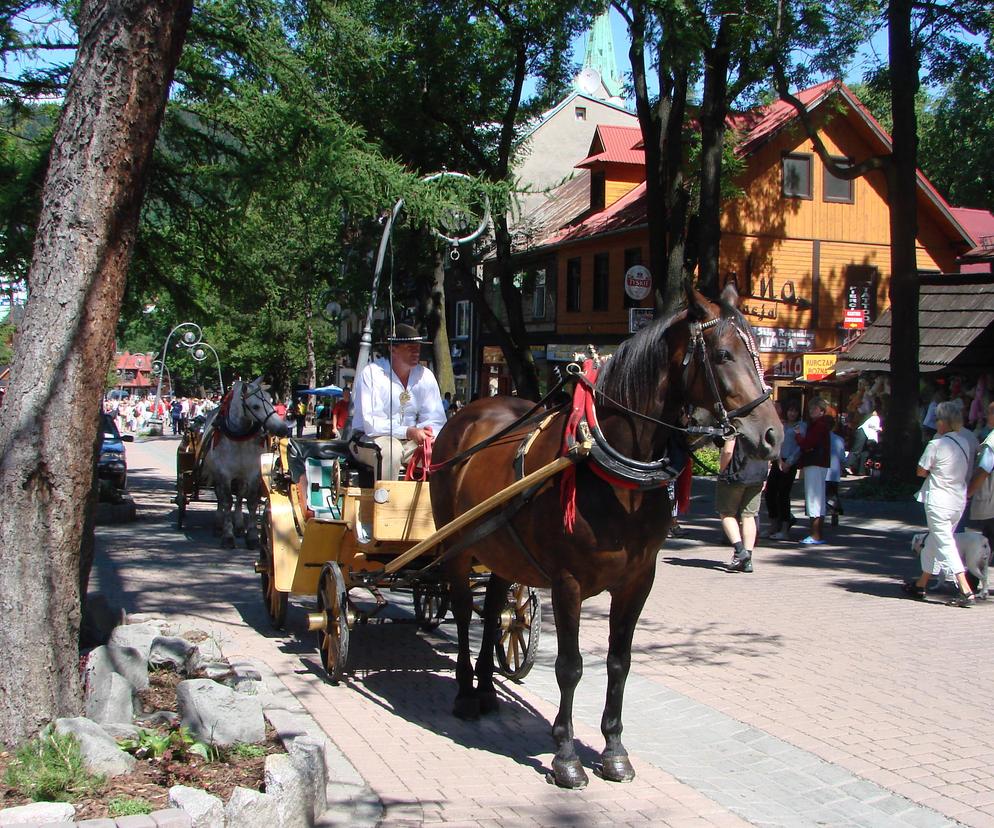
[(259, 406)]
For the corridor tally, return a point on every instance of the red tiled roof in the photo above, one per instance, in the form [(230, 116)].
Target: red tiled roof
[(757, 125), (626, 213), (616, 145), (128, 361), (978, 223)]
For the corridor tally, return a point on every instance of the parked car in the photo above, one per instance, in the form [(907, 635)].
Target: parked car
[(113, 464)]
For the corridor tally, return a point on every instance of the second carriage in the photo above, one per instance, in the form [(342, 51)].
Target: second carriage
[(332, 529)]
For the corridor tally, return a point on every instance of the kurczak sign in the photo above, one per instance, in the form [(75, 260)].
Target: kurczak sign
[(638, 282)]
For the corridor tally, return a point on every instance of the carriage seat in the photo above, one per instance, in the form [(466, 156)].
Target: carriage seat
[(314, 465), (369, 473)]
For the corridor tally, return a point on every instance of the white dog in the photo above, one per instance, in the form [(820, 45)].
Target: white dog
[(974, 550)]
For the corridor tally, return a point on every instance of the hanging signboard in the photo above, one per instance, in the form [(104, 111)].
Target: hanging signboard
[(638, 318), (638, 282), (854, 319), (785, 340), (789, 368), (818, 366)]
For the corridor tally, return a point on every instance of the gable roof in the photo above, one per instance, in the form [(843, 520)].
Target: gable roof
[(549, 113), (980, 225), (953, 314), (615, 145)]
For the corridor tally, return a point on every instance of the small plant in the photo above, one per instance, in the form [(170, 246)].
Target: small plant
[(50, 769), (175, 744), (121, 806), (707, 460), (245, 750)]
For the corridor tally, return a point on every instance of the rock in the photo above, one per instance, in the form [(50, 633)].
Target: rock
[(110, 700), (208, 651), (284, 782), (215, 670), (307, 756), (139, 636), (127, 661), (290, 726), (38, 813), (116, 730), (250, 809), (216, 714), (100, 752), (205, 811), (159, 717), (155, 618), (171, 653)]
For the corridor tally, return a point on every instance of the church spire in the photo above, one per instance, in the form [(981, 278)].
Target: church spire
[(600, 58)]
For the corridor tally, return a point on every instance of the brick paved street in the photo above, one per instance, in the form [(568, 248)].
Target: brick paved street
[(806, 693)]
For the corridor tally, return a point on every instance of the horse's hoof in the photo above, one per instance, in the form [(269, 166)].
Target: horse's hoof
[(228, 542), (466, 708), (569, 773), (617, 769), (489, 703)]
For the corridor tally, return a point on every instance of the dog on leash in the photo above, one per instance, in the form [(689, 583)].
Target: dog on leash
[(975, 552)]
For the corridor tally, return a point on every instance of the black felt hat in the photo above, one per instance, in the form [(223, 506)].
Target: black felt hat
[(406, 335)]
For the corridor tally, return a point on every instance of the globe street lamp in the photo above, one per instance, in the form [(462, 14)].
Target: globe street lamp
[(199, 354), (158, 367), (192, 337)]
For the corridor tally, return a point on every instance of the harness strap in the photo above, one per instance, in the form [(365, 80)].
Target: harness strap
[(420, 461), (526, 444)]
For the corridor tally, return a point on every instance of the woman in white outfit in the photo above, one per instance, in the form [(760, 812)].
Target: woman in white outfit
[(946, 466)]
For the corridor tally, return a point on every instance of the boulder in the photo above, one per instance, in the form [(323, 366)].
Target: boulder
[(131, 663), (171, 653), (111, 699), (307, 756), (139, 636), (284, 783), (100, 752), (116, 730), (38, 813), (250, 809), (159, 717), (217, 714), (205, 811), (208, 651)]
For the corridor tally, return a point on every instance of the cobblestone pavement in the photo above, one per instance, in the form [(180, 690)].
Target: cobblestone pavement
[(805, 693)]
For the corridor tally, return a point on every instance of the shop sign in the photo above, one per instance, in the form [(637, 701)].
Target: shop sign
[(785, 340), (638, 318), (854, 319), (818, 366), (493, 355), (638, 282), (567, 353), (789, 368)]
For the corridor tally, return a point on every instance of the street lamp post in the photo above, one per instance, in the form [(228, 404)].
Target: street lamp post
[(158, 367), (192, 337), (199, 354)]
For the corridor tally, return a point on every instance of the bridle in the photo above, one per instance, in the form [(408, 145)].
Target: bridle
[(266, 404), (697, 346)]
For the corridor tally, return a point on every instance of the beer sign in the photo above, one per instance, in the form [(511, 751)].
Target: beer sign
[(638, 282)]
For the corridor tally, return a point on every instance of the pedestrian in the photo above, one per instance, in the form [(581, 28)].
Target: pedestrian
[(836, 463), (738, 494), (340, 413), (981, 488), (300, 416), (447, 403), (865, 441), (815, 445), (782, 474), (946, 467)]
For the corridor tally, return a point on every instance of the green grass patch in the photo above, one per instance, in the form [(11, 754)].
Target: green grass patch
[(50, 769), (122, 806), (244, 750)]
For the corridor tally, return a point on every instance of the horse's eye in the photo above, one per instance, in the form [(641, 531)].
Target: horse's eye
[(721, 355)]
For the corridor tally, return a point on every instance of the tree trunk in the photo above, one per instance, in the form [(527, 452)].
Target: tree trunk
[(519, 357), (902, 433), (437, 328), (90, 206), (312, 363)]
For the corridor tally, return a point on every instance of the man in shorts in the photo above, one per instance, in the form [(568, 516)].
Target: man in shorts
[(738, 494)]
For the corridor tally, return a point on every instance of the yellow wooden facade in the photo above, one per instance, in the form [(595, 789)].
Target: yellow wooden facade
[(789, 256)]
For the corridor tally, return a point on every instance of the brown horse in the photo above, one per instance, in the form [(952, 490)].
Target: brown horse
[(703, 359)]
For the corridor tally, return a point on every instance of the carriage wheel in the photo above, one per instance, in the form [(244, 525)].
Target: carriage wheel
[(520, 629), (180, 500), (276, 601), (431, 603), (333, 639)]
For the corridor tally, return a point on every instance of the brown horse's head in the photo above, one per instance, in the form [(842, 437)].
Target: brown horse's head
[(725, 368)]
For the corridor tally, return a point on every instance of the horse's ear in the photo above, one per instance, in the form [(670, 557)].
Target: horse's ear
[(730, 296), (696, 303), (257, 382)]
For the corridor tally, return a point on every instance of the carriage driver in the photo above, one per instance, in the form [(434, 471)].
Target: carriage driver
[(397, 403)]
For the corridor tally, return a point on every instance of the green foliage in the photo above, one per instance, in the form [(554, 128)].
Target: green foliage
[(706, 460), (7, 331), (244, 750), (176, 743), (120, 806), (50, 769)]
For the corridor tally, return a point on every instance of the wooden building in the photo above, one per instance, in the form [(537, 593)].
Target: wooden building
[(802, 246)]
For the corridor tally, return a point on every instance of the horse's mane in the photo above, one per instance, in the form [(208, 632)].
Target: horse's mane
[(631, 377)]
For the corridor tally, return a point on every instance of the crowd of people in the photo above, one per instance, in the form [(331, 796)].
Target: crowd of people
[(133, 415)]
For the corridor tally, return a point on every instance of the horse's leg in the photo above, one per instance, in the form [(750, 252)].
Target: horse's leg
[(566, 599), (626, 607), (223, 490), (252, 507), (467, 705), (492, 606), (237, 517)]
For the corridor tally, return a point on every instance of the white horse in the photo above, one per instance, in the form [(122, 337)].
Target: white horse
[(234, 438)]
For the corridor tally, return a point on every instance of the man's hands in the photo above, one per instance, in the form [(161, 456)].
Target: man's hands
[(419, 435)]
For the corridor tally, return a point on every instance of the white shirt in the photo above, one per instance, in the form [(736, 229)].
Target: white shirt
[(871, 428), (378, 409), (982, 507), (837, 459), (947, 459)]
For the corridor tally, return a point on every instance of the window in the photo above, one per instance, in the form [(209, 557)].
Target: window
[(573, 285), (861, 290), (597, 186), (838, 189), (580, 113), (602, 281), (797, 176), (633, 256), (538, 296), (462, 319)]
